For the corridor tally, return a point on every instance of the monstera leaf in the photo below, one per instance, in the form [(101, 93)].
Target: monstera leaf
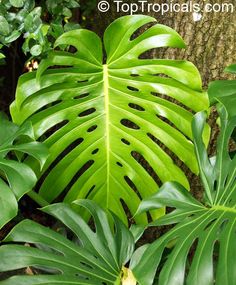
[(17, 178), (203, 241), (95, 258), (105, 124), (224, 91)]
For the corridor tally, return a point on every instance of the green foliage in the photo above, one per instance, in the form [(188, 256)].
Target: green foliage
[(40, 24), (224, 91), (100, 120), (17, 178), (203, 240), (201, 246), (92, 258)]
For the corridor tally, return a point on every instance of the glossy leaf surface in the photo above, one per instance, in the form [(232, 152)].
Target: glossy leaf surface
[(95, 257), (17, 178), (203, 241), (105, 123), (224, 91)]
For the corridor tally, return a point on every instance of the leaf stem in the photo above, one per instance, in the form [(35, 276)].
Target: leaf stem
[(37, 198)]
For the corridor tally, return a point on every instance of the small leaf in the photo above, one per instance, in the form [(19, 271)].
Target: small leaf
[(71, 26), (13, 36), (73, 4), (33, 21), (4, 26), (67, 12), (36, 50), (45, 29), (29, 5), (17, 3), (56, 30)]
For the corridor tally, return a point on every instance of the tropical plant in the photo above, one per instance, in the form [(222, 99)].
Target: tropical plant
[(200, 248), (17, 178), (202, 244), (100, 120), (224, 91), (92, 258)]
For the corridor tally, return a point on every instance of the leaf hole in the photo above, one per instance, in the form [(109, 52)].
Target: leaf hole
[(86, 265), (164, 119), (119, 164), (145, 164), (95, 151), (129, 124), (149, 54), (132, 186), (52, 130), (172, 100), (173, 156), (223, 225), (81, 276), (131, 88), (125, 141), (56, 103), (81, 171), (66, 151), (215, 184), (216, 250), (134, 75), (210, 224), (81, 96), (136, 107), (141, 30), (156, 94), (126, 209), (87, 112), (92, 128), (161, 75), (89, 192), (191, 253)]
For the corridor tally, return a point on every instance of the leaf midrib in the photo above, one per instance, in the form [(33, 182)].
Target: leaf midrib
[(223, 208), (107, 133)]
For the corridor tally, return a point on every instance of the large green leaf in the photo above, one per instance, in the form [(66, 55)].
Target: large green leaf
[(105, 123), (224, 91), (204, 238), (4, 26), (94, 257), (17, 178)]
